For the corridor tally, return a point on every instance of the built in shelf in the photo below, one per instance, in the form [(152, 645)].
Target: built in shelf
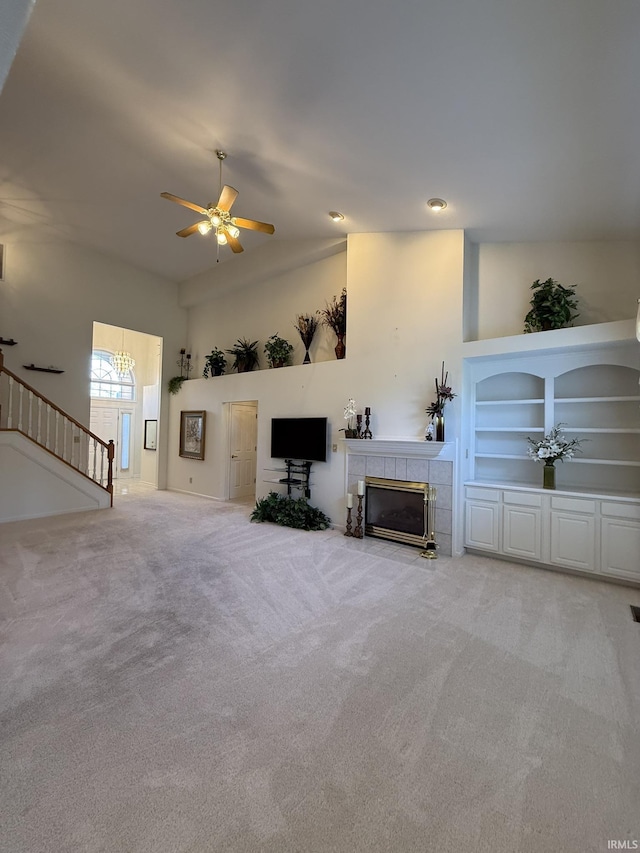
[(42, 369), (8, 343)]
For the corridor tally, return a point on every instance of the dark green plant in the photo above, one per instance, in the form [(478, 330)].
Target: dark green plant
[(214, 363), (334, 314), (175, 384), (552, 305), (290, 512), (245, 355), (278, 351)]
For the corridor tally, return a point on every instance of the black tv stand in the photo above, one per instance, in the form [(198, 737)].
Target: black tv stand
[(297, 476)]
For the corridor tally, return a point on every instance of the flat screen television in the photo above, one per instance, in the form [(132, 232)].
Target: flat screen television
[(299, 438)]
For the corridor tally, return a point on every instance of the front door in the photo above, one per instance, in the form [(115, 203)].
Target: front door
[(243, 435), (114, 423)]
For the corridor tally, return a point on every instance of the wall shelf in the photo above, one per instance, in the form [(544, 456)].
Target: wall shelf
[(8, 343), (42, 369)]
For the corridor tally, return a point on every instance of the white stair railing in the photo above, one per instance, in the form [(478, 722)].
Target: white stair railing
[(25, 410)]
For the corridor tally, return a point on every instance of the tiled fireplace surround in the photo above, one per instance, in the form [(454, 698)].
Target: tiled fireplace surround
[(412, 461)]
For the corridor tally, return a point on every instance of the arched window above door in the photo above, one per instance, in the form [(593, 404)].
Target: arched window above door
[(106, 384)]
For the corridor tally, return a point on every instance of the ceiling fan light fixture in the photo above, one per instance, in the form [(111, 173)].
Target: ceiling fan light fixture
[(204, 227), (215, 219), (233, 231), (335, 216), (221, 237), (436, 204)]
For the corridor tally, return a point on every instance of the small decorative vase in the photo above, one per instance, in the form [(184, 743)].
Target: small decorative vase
[(549, 476), (340, 347), (307, 357), (439, 422)]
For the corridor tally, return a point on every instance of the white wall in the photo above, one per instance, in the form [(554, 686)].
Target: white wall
[(404, 316), (51, 295), (607, 275)]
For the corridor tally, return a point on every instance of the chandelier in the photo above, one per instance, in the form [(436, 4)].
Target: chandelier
[(122, 361)]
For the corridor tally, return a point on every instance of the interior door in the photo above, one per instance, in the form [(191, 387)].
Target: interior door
[(103, 421), (243, 435)]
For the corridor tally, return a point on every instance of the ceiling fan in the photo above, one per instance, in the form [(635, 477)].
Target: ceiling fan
[(218, 216)]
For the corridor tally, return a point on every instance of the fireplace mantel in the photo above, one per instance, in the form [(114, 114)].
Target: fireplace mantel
[(404, 447)]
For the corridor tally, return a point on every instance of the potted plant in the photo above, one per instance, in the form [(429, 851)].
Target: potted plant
[(278, 351), (245, 355), (175, 384), (306, 325), (552, 306), (334, 315), (214, 363)]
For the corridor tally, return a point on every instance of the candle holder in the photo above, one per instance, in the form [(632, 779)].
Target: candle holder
[(185, 363), (359, 532), (367, 420), (349, 523), (359, 426)]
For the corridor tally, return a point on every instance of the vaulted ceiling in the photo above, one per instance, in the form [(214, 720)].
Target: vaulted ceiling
[(525, 117)]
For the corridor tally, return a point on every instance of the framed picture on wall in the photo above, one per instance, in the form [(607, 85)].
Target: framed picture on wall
[(150, 435), (192, 434)]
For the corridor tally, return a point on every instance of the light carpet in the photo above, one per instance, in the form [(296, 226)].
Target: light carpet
[(175, 678)]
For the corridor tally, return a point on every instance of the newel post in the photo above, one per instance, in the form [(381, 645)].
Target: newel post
[(1, 359), (111, 452)]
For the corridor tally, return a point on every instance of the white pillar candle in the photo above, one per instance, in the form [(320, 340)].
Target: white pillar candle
[(349, 500), (361, 487)]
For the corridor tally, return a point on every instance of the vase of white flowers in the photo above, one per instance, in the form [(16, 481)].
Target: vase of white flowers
[(552, 447), (349, 415)]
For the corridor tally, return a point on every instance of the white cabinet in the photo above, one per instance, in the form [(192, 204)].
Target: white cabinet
[(620, 531), (522, 525), (573, 533), (586, 533), (482, 521)]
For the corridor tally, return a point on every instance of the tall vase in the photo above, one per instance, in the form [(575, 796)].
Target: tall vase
[(307, 357), (340, 347), (439, 422), (549, 475)]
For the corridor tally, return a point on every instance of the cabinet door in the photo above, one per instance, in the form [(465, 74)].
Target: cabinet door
[(521, 531), (481, 525), (573, 540), (621, 548)]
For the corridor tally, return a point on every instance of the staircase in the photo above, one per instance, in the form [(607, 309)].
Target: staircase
[(27, 413)]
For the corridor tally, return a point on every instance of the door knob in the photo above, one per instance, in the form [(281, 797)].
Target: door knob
[(234, 455)]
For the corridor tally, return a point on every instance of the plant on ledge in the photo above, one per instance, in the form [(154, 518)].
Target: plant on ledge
[(552, 306), (290, 512), (306, 325), (175, 384), (278, 351), (334, 315), (214, 363), (245, 355)]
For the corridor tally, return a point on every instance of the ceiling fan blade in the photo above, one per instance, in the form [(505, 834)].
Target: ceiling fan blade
[(227, 197), (234, 243), (191, 229), (183, 202), (254, 225)]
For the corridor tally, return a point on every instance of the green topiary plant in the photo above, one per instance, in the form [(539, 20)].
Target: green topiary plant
[(290, 512), (552, 305), (214, 363), (245, 355), (278, 351)]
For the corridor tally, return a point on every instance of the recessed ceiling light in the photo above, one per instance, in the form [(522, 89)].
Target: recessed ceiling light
[(337, 217), (436, 204)]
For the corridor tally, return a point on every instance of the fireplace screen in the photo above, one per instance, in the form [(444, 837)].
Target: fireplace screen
[(396, 510)]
